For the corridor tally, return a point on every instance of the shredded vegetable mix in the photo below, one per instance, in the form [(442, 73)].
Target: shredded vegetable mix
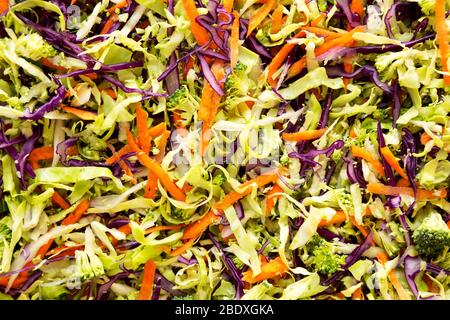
[(221, 150)]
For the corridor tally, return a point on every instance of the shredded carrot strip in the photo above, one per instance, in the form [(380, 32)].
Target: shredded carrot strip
[(348, 67), (44, 249), (271, 199), (403, 295), (318, 20), (157, 130), (64, 250), (57, 199), (369, 157), (323, 32), (151, 186), (199, 33), (379, 188), (117, 155), (358, 295), (442, 36), (80, 113), (339, 217), (183, 248), (269, 270), (143, 136), (402, 183), (235, 196), (195, 229), (260, 15), (304, 135), (18, 282), (234, 40), (280, 57), (161, 146), (76, 215), (228, 5), (153, 166), (38, 154), (177, 119), (209, 105), (72, 150), (277, 19), (357, 6), (164, 228), (120, 5), (424, 138), (147, 281), (345, 40), (49, 64), (393, 162), (109, 23), (363, 231), (126, 229), (4, 6), (110, 92)]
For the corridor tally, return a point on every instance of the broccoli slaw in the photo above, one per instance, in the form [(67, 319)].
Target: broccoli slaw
[(224, 149)]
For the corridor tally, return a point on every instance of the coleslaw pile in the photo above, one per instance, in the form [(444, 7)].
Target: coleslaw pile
[(235, 149)]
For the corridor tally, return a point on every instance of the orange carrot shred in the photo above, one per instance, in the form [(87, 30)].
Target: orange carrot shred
[(318, 20), (57, 199), (442, 36), (235, 196), (228, 5), (270, 198), (49, 64), (369, 157), (381, 189), (338, 218), (234, 40), (148, 279), (345, 40), (269, 270), (199, 33), (76, 215), (260, 15), (80, 113), (279, 59), (152, 165), (304, 135), (277, 19), (195, 229), (120, 5), (109, 23), (143, 136), (393, 162), (183, 248)]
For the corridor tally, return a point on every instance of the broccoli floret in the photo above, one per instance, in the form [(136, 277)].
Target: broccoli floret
[(237, 262), (5, 231), (284, 161), (177, 98), (237, 83), (322, 256), (5, 234), (237, 86), (181, 214), (219, 178), (432, 236), (184, 103)]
